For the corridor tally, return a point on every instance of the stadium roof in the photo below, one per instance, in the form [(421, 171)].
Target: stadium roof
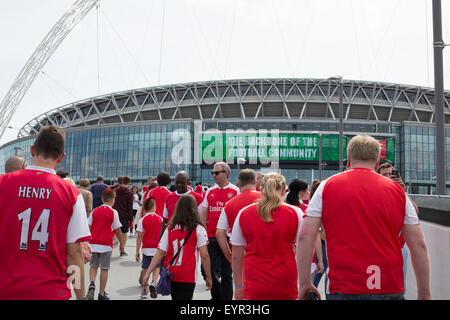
[(249, 99)]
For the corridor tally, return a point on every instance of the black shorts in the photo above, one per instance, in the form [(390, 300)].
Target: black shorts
[(125, 228)]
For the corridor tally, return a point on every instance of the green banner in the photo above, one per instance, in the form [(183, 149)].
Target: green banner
[(258, 147)]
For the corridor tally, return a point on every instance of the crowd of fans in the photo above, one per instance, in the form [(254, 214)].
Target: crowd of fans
[(261, 239)]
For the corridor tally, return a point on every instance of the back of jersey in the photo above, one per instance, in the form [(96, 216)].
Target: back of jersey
[(39, 214)]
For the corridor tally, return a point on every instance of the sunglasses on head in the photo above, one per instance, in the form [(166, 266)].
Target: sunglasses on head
[(217, 172)]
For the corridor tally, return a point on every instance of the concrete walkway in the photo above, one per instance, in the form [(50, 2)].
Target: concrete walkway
[(123, 278)]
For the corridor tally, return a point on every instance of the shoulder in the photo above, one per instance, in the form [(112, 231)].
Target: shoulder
[(234, 187)]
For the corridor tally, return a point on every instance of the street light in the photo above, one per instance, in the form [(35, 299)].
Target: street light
[(320, 153), (341, 116)]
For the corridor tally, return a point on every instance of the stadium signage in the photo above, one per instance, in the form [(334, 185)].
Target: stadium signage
[(263, 146)]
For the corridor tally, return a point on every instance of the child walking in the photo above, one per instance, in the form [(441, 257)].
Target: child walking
[(104, 223), (148, 231)]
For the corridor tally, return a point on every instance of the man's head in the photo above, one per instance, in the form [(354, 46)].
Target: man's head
[(221, 172), (100, 179), (48, 148), (181, 181), (385, 169), (149, 181), (84, 183), (120, 180), (163, 179), (247, 179), (108, 196), (126, 181), (363, 150), (15, 163)]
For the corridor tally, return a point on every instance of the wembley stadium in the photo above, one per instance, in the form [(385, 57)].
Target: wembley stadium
[(188, 126)]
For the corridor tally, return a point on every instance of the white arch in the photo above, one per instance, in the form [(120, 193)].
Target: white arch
[(39, 58)]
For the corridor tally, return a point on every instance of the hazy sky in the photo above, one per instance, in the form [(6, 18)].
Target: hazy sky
[(383, 40)]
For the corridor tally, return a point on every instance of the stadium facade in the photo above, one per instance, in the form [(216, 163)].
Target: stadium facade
[(281, 124)]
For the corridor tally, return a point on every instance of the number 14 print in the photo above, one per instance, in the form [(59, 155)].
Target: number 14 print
[(36, 235)]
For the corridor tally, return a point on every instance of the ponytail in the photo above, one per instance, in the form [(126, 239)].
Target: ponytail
[(270, 200)]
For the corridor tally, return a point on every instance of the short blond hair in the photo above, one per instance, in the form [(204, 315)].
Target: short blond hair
[(363, 147), (84, 183)]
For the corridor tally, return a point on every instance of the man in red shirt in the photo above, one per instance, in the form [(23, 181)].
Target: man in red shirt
[(147, 188), (181, 185), (247, 196), (42, 222), (362, 214), (161, 192), (213, 202)]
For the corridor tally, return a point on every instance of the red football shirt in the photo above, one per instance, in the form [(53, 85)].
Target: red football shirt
[(215, 199), (184, 268), (171, 202), (270, 268), (39, 214), (232, 208), (362, 214), (159, 194), (150, 225), (104, 220)]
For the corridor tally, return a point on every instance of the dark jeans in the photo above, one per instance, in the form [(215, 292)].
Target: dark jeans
[(182, 290), (222, 289), (318, 276), (387, 296)]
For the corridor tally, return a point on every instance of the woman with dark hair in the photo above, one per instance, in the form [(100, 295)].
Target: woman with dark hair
[(298, 194), (185, 224)]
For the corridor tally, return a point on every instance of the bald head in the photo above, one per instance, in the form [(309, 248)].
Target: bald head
[(15, 163), (181, 181)]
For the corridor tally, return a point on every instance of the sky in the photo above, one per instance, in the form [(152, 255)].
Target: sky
[(140, 43)]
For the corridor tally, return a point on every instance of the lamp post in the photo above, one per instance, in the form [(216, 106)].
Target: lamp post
[(439, 46), (341, 120), (320, 153)]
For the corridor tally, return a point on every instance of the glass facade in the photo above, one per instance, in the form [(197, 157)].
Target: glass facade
[(140, 150)]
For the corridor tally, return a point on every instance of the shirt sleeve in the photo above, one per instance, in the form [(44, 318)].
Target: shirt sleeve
[(204, 204), (116, 222), (202, 236), (78, 228), (410, 212), (300, 220), (237, 238), (90, 220), (165, 212), (315, 205), (140, 227), (164, 242), (223, 221)]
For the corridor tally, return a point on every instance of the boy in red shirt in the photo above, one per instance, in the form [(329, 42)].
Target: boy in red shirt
[(104, 223), (149, 229)]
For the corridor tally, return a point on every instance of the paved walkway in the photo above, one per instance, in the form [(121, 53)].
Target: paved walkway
[(124, 276)]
